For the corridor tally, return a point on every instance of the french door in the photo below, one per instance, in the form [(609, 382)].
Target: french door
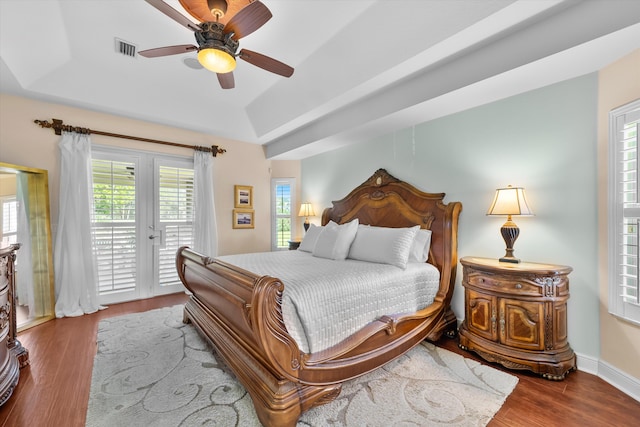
[(143, 212)]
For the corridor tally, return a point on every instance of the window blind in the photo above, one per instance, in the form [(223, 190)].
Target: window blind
[(9, 219)]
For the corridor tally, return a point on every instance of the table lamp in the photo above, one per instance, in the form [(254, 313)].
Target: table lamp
[(510, 201), (306, 210)]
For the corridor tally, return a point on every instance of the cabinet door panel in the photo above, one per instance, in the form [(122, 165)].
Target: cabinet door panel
[(481, 314), (559, 326), (521, 324)]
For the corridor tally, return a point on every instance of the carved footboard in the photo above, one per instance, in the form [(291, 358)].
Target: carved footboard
[(239, 313)]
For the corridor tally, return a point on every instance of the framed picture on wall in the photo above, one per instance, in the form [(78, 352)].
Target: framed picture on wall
[(243, 218), (243, 196)]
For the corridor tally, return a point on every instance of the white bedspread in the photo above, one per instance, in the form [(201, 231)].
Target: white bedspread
[(326, 301)]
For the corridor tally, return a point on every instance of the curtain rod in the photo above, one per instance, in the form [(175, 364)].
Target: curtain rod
[(58, 127)]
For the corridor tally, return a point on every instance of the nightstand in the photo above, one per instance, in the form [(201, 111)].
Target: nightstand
[(516, 315), (294, 244)]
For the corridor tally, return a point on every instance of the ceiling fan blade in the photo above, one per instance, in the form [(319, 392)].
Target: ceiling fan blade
[(167, 50), (266, 63), (249, 19), (226, 80), (173, 14)]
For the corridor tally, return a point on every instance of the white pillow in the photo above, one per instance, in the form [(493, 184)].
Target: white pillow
[(421, 245), (335, 240), (310, 238), (383, 245)]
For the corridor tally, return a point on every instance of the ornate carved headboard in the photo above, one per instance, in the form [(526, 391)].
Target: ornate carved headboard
[(385, 201)]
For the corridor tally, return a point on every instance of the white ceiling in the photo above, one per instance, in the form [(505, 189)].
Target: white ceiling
[(362, 67)]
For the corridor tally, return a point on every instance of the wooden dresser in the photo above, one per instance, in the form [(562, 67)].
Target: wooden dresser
[(516, 315), (12, 355)]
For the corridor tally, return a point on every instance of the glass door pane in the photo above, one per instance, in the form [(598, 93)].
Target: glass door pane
[(173, 220), (114, 228)]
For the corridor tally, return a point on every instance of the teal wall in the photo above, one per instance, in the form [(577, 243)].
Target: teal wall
[(543, 140)]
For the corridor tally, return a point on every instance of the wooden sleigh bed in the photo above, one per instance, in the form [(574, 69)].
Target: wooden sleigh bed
[(240, 312)]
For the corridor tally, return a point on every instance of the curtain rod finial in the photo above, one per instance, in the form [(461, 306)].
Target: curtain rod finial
[(215, 150), (56, 125)]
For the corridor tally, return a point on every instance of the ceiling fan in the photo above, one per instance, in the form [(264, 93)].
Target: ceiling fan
[(218, 42)]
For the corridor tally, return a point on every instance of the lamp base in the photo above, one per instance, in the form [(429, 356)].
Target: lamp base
[(510, 233), (306, 225)]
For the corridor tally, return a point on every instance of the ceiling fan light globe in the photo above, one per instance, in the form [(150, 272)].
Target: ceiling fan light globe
[(216, 60)]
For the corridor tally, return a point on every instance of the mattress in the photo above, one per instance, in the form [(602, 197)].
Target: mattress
[(325, 301)]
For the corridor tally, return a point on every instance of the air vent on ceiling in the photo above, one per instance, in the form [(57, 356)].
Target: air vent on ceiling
[(125, 48)]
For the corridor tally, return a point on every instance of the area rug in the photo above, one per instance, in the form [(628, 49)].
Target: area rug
[(153, 370)]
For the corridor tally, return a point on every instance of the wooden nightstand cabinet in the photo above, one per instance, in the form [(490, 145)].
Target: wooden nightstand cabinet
[(516, 315)]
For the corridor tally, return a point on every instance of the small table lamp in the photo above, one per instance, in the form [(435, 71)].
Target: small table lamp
[(306, 210), (510, 201)]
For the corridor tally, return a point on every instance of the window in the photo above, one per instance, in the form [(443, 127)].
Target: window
[(282, 212), (9, 219), (624, 212)]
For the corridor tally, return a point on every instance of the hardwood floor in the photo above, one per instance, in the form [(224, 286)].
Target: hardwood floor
[(54, 389), (581, 399)]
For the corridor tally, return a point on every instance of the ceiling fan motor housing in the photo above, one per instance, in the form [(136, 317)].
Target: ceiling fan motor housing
[(211, 36)]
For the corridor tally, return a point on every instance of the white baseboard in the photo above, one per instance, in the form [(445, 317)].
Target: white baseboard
[(620, 380), (587, 364)]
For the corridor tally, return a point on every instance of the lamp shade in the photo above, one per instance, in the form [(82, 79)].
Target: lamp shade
[(216, 60), (510, 201), (306, 209)]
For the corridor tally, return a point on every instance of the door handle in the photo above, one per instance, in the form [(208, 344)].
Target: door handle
[(156, 237)]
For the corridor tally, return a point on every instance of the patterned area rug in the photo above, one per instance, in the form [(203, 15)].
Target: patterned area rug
[(153, 370)]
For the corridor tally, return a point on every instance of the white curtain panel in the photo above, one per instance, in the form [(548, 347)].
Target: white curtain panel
[(24, 263), (205, 233), (76, 273)]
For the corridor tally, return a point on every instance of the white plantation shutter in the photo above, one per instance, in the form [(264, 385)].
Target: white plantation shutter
[(114, 224), (9, 219), (624, 216), (176, 204), (282, 212)]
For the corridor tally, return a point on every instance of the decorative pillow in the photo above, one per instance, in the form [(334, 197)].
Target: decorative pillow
[(421, 245), (335, 240), (310, 238), (383, 245)]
